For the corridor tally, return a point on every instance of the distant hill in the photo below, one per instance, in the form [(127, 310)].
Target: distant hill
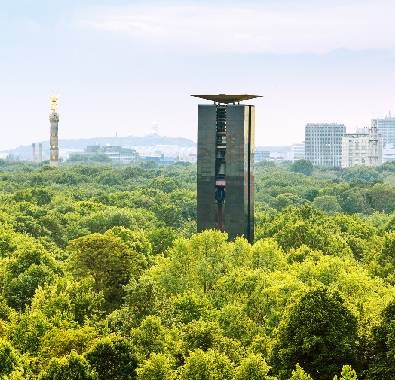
[(69, 145)]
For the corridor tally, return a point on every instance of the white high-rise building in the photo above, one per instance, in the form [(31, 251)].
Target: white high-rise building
[(386, 129), (323, 144), (363, 148), (389, 153)]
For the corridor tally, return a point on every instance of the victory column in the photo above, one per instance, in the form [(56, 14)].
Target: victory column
[(54, 141)]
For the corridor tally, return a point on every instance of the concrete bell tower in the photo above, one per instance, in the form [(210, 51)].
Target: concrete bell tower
[(225, 165)]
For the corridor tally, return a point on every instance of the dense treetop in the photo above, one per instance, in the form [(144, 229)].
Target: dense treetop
[(103, 276)]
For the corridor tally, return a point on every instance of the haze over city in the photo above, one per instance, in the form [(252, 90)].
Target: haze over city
[(123, 67)]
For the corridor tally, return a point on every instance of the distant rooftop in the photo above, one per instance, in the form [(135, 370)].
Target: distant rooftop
[(224, 98)]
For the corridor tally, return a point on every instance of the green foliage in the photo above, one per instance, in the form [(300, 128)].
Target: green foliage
[(189, 306), (149, 337), (347, 374), (299, 374), (29, 267), (302, 166), (157, 367), (320, 334), (58, 342), (103, 276), (210, 365), (253, 367), (108, 260), (360, 175), (327, 203), (69, 300), (382, 350), (382, 197), (113, 358), (27, 329), (71, 367), (201, 335), (135, 240), (9, 359)]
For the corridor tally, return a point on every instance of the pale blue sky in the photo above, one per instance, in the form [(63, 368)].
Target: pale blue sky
[(123, 66)]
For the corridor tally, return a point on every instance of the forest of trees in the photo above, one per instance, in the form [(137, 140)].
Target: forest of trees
[(103, 276)]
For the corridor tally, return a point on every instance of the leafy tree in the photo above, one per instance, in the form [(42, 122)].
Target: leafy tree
[(149, 337), (201, 335), (288, 199), (102, 221), (189, 306), (386, 257), (253, 367), (382, 351), (69, 300), (267, 254), (161, 239), (210, 365), (381, 197), (113, 358), (347, 374), (157, 367), (8, 242), (320, 334), (236, 324), (327, 203), (29, 267), (360, 175), (135, 240), (9, 358), (71, 367), (299, 374), (302, 166), (108, 260), (196, 263), (27, 329), (58, 342), (353, 201)]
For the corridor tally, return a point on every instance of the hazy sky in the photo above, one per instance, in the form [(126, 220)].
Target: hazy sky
[(124, 66)]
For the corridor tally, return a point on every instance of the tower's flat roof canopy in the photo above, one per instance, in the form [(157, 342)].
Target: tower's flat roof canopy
[(224, 98)]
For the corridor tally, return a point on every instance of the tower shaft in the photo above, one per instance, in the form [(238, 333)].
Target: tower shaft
[(54, 141), (225, 169)]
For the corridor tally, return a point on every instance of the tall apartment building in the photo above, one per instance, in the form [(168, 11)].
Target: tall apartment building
[(386, 129), (323, 144), (362, 148)]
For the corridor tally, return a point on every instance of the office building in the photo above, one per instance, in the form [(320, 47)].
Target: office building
[(362, 149), (323, 144), (225, 165), (389, 153), (386, 129)]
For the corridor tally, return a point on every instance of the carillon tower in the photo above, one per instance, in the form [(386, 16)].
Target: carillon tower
[(225, 165)]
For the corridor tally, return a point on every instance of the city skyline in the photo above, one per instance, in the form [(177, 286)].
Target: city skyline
[(111, 61)]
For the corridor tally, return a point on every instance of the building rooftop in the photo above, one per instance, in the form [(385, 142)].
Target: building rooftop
[(224, 98)]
